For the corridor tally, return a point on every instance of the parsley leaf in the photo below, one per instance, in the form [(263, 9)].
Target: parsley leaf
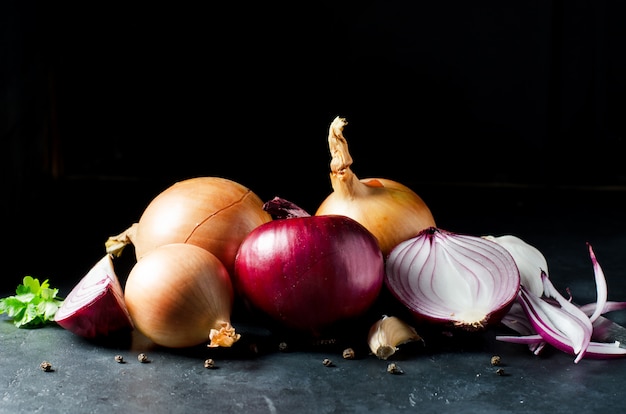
[(33, 305)]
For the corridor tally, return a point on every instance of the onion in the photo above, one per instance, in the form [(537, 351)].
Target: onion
[(530, 261), (550, 318), (211, 212), (95, 306), (389, 210), (449, 278), (310, 272), (180, 295)]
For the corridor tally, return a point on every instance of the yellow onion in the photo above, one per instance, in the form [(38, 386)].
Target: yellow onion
[(211, 212), (180, 295), (391, 211)]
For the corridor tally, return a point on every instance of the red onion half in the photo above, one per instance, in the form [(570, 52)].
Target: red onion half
[(310, 272), (95, 307), (444, 277)]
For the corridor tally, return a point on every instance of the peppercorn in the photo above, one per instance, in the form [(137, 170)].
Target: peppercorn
[(209, 363), (143, 358), (328, 363), (496, 360), (348, 353), (119, 359), (46, 366), (393, 368)]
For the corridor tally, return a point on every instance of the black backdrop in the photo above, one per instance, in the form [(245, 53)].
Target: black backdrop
[(107, 103)]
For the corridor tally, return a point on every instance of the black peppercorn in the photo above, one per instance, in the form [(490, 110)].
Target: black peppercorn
[(393, 368), (45, 366), (348, 353)]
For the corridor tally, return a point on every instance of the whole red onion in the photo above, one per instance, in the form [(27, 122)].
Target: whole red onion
[(310, 272)]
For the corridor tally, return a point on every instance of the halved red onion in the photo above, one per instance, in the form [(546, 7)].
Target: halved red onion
[(95, 306), (556, 320), (451, 278)]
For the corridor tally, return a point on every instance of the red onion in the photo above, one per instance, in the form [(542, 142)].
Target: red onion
[(310, 272), (449, 278), (95, 306), (550, 318), (530, 261)]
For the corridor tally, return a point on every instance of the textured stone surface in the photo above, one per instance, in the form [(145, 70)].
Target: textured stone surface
[(448, 373)]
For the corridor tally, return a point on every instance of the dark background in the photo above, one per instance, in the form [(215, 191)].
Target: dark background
[(104, 105)]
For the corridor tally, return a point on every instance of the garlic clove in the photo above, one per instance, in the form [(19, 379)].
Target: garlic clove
[(388, 333)]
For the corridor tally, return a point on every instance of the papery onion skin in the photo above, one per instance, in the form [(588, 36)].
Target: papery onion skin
[(391, 211), (178, 294), (214, 213), (309, 273), (95, 307), (453, 279)]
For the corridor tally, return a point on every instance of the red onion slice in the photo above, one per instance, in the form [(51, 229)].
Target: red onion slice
[(445, 277), (601, 286), (517, 320), (595, 350), (558, 321), (609, 306), (556, 325), (95, 307), (530, 261)]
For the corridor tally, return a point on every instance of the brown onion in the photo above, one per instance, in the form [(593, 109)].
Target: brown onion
[(211, 212), (391, 211), (180, 295)]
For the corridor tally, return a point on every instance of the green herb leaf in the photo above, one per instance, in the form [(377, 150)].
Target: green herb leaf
[(33, 305)]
